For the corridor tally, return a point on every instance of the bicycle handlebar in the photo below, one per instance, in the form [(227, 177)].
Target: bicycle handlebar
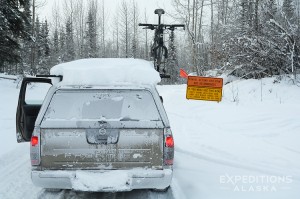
[(146, 24), (151, 26), (177, 25)]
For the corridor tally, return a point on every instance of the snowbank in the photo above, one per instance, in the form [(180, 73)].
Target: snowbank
[(5, 76), (107, 72), (253, 132)]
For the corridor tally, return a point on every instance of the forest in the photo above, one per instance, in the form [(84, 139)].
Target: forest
[(244, 38)]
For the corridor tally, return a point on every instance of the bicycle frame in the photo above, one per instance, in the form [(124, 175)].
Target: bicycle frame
[(159, 51)]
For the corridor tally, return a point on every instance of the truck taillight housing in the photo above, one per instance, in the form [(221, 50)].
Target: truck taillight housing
[(34, 140), (35, 147), (168, 147)]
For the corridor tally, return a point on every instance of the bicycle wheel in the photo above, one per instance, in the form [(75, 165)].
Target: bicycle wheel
[(160, 56)]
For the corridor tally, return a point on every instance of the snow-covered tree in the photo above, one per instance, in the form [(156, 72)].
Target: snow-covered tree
[(125, 31), (44, 50), (14, 22), (172, 65), (135, 17), (91, 35), (289, 9), (264, 44), (69, 39), (191, 14), (55, 42)]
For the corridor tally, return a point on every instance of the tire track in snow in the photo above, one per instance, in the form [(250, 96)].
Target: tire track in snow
[(231, 163), (178, 192), (15, 177), (135, 194), (15, 183)]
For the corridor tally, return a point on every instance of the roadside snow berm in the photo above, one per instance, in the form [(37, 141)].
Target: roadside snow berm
[(107, 71)]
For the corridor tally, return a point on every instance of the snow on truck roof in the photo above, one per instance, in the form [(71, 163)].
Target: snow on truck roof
[(107, 71)]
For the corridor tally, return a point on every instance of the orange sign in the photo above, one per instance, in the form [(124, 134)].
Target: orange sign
[(205, 82), (204, 88)]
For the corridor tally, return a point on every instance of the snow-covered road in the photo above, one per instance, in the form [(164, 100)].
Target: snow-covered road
[(247, 146), (16, 183)]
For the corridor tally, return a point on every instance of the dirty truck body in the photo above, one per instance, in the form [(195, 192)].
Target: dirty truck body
[(95, 134)]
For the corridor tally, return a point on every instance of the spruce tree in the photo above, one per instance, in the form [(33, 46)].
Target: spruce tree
[(70, 46), (172, 64), (14, 18), (55, 42), (37, 40), (46, 41), (91, 36), (62, 43), (44, 46)]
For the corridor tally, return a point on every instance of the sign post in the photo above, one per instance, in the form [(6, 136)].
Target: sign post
[(204, 88)]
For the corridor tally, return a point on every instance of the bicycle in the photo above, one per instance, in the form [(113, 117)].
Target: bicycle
[(159, 51)]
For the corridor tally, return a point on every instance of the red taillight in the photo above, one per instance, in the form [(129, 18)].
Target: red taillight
[(169, 142), (34, 140), (169, 162)]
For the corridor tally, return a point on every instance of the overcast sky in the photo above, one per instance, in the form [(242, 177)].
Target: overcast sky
[(149, 5)]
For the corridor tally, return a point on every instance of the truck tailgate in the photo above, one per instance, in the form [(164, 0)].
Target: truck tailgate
[(92, 149)]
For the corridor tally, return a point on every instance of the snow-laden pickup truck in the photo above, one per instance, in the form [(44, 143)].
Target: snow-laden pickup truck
[(101, 127)]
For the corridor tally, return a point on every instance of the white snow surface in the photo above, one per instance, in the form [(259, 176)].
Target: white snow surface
[(89, 181), (107, 71), (245, 147)]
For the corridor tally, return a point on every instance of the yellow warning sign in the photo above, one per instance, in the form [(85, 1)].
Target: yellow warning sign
[(204, 88), (209, 94)]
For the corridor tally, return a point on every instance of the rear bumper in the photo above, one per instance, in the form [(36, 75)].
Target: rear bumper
[(103, 180)]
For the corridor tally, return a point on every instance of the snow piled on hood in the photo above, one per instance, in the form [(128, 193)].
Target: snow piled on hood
[(107, 71)]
